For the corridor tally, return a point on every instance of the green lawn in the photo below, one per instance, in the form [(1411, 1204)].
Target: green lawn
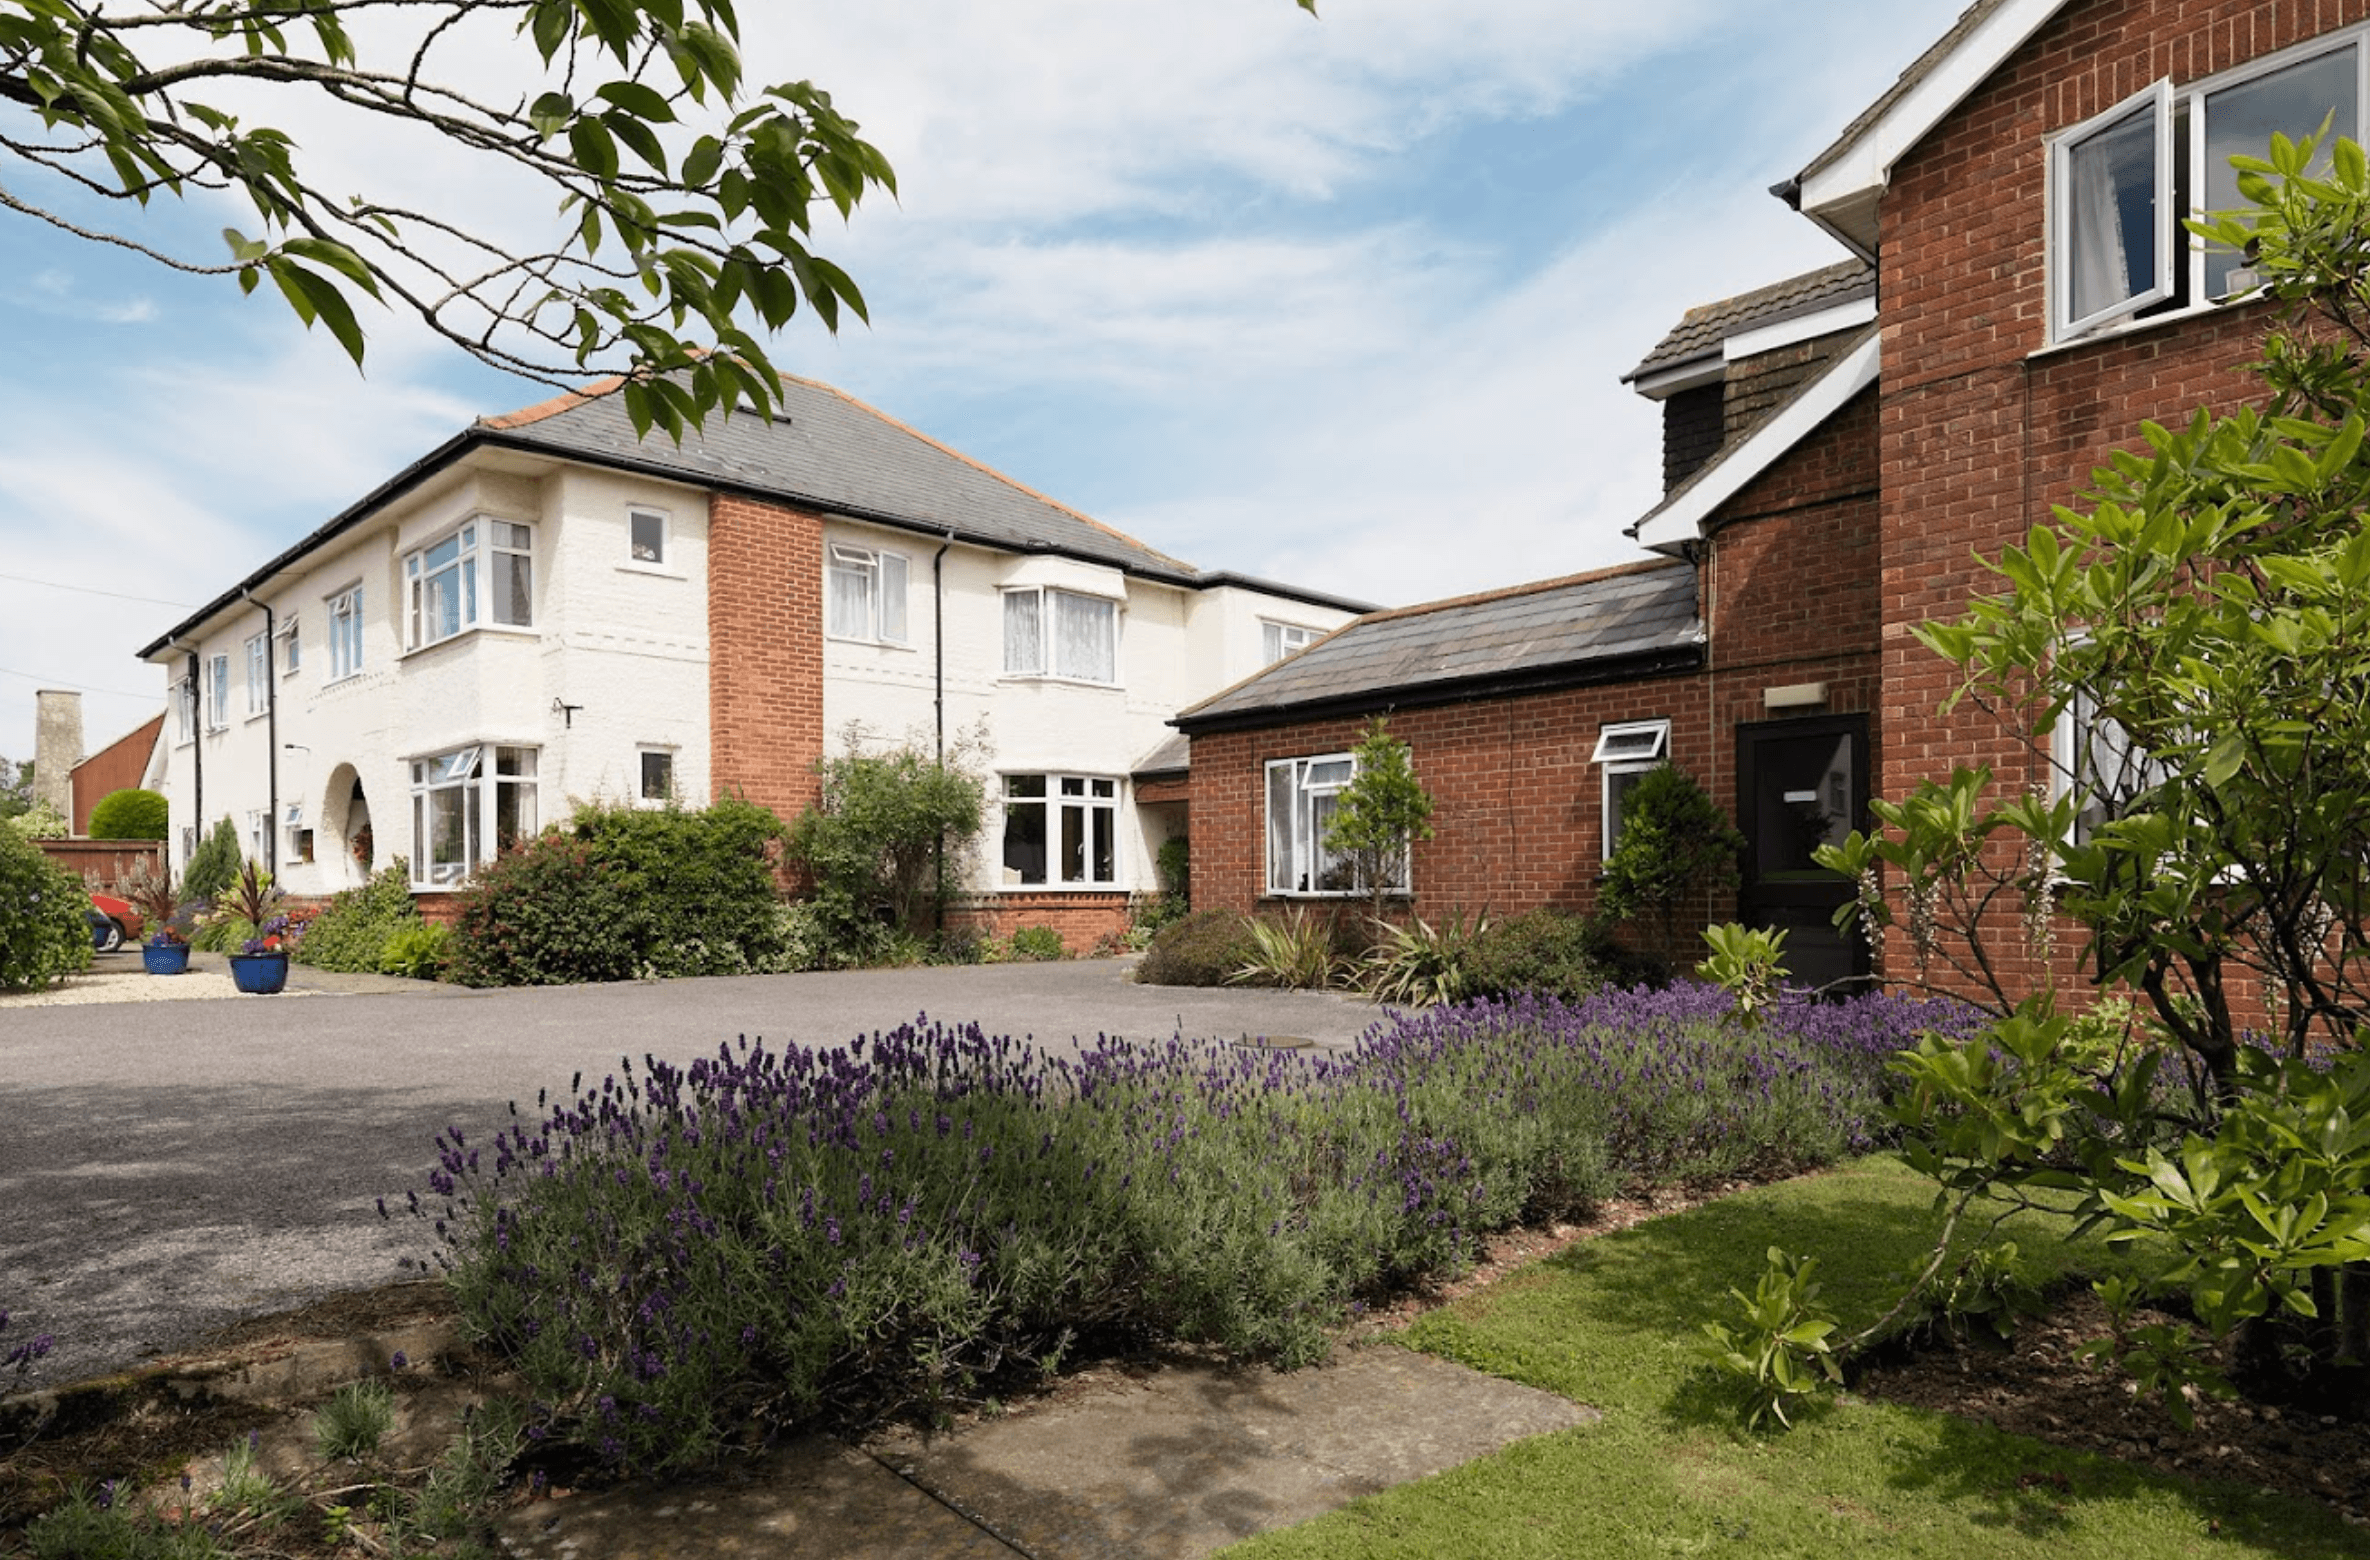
[(1612, 1323)]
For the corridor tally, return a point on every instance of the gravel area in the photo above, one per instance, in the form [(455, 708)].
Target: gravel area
[(118, 977)]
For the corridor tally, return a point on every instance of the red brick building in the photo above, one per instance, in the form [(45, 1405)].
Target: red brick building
[(1839, 448)]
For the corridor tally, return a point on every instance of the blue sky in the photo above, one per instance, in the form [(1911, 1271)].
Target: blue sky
[(1339, 302)]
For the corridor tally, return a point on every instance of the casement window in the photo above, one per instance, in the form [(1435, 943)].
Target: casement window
[(1278, 640), (259, 674), (189, 842), (657, 778), (1061, 831), (865, 595), (1626, 751), (646, 537), (345, 633), (1302, 796), (1060, 633), (482, 573), (2120, 182), (2093, 759), (217, 692), (300, 838), (185, 704), (461, 815), (259, 826), (291, 648)]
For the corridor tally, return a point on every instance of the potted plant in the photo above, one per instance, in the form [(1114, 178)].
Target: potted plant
[(151, 891), (260, 967)]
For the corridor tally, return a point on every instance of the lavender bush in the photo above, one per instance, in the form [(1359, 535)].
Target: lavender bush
[(762, 1235)]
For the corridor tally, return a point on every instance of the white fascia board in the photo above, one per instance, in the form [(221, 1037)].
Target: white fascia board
[(1664, 383), (1805, 327), (1683, 520), (1862, 169)]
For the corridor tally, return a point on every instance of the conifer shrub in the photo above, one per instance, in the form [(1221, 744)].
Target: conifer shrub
[(212, 866)]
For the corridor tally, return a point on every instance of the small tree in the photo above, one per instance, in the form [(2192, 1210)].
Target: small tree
[(1674, 840), (214, 865), (1380, 814), (878, 834), (130, 814)]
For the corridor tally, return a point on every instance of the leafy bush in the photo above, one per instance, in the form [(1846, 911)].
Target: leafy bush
[(352, 931), (44, 929), (1781, 1353), (772, 1235), (1550, 952), (1204, 949), (874, 836), (41, 821), (1037, 943), (213, 865), (1173, 865), (1674, 840), (130, 814), (1294, 952), (626, 893), (418, 952), (1419, 964)]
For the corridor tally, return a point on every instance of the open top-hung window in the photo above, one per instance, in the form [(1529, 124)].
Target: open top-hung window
[(1625, 751)]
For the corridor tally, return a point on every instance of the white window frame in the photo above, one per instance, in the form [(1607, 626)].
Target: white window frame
[(475, 573), (2155, 101), (185, 709), (1295, 862), (2198, 99), (665, 555), (292, 647), (1624, 750), (1064, 802), (217, 692), (886, 579), (344, 616), (642, 756), (476, 772), (1278, 639), (259, 674), (1048, 641)]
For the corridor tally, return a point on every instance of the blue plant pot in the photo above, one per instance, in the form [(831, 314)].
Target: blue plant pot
[(171, 959), (259, 974)]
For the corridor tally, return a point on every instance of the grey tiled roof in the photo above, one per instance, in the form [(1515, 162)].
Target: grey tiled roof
[(827, 449), (1701, 329), (1173, 756), (1530, 635)]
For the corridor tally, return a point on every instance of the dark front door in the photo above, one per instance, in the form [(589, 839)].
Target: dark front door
[(1802, 784)]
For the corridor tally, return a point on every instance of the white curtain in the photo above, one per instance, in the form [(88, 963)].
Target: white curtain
[(1024, 639), (1086, 637), (2109, 172), (851, 597)]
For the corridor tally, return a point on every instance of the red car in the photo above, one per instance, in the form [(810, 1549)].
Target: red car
[(113, 922)]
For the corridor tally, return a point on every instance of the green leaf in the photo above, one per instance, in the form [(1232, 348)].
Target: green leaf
[(639, 101)]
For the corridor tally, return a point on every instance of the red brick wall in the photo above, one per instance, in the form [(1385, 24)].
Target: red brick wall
[(765, 651), (118, 766), (1979, 437), (1083, 919)]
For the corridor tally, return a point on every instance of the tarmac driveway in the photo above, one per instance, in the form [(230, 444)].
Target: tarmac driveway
[(167, 1167)]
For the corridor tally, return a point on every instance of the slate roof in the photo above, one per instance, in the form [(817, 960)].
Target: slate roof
[(1174, 756), (824, 450), (1701, 329), (1599, 627), (827, 449)]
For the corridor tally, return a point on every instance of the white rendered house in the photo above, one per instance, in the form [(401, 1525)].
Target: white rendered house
[(545, 609)]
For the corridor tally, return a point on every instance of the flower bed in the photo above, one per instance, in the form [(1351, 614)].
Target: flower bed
[(763, 1235)]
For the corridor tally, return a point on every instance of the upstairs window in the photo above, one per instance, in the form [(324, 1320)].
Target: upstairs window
[(259, 662), (291, 648), (217, 692), (1278, 640), (1060, 633), (442, 582), (185, 704), (646, 537), (866, 597), (345, 633), (2113, 214)]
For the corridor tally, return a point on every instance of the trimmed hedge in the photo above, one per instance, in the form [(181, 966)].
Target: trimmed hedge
[(130, 814)]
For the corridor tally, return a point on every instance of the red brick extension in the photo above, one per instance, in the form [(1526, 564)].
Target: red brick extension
[(765, 651)]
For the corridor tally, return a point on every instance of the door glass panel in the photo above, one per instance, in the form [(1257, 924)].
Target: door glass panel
[(1805, 800)]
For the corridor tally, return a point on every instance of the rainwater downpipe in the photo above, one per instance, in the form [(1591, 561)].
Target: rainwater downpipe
[(271, 735)]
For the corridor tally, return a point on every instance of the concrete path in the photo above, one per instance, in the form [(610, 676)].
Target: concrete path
[(170, 1166)]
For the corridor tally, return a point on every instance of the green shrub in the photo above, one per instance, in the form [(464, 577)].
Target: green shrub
[(1674, 841), (1174, 866), (44, 931), (1419, 964), (627, 893), (1295, 952), (874, 837), (1551, 952), (213, 865), (418, 952), (353, 930), (130, 814), (1037, 943), (41, 821), (1204, 949)]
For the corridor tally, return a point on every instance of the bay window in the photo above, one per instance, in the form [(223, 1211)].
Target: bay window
[(1061, 831), (461, 815), (482, 573), (1060, 633), (866, 594)]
